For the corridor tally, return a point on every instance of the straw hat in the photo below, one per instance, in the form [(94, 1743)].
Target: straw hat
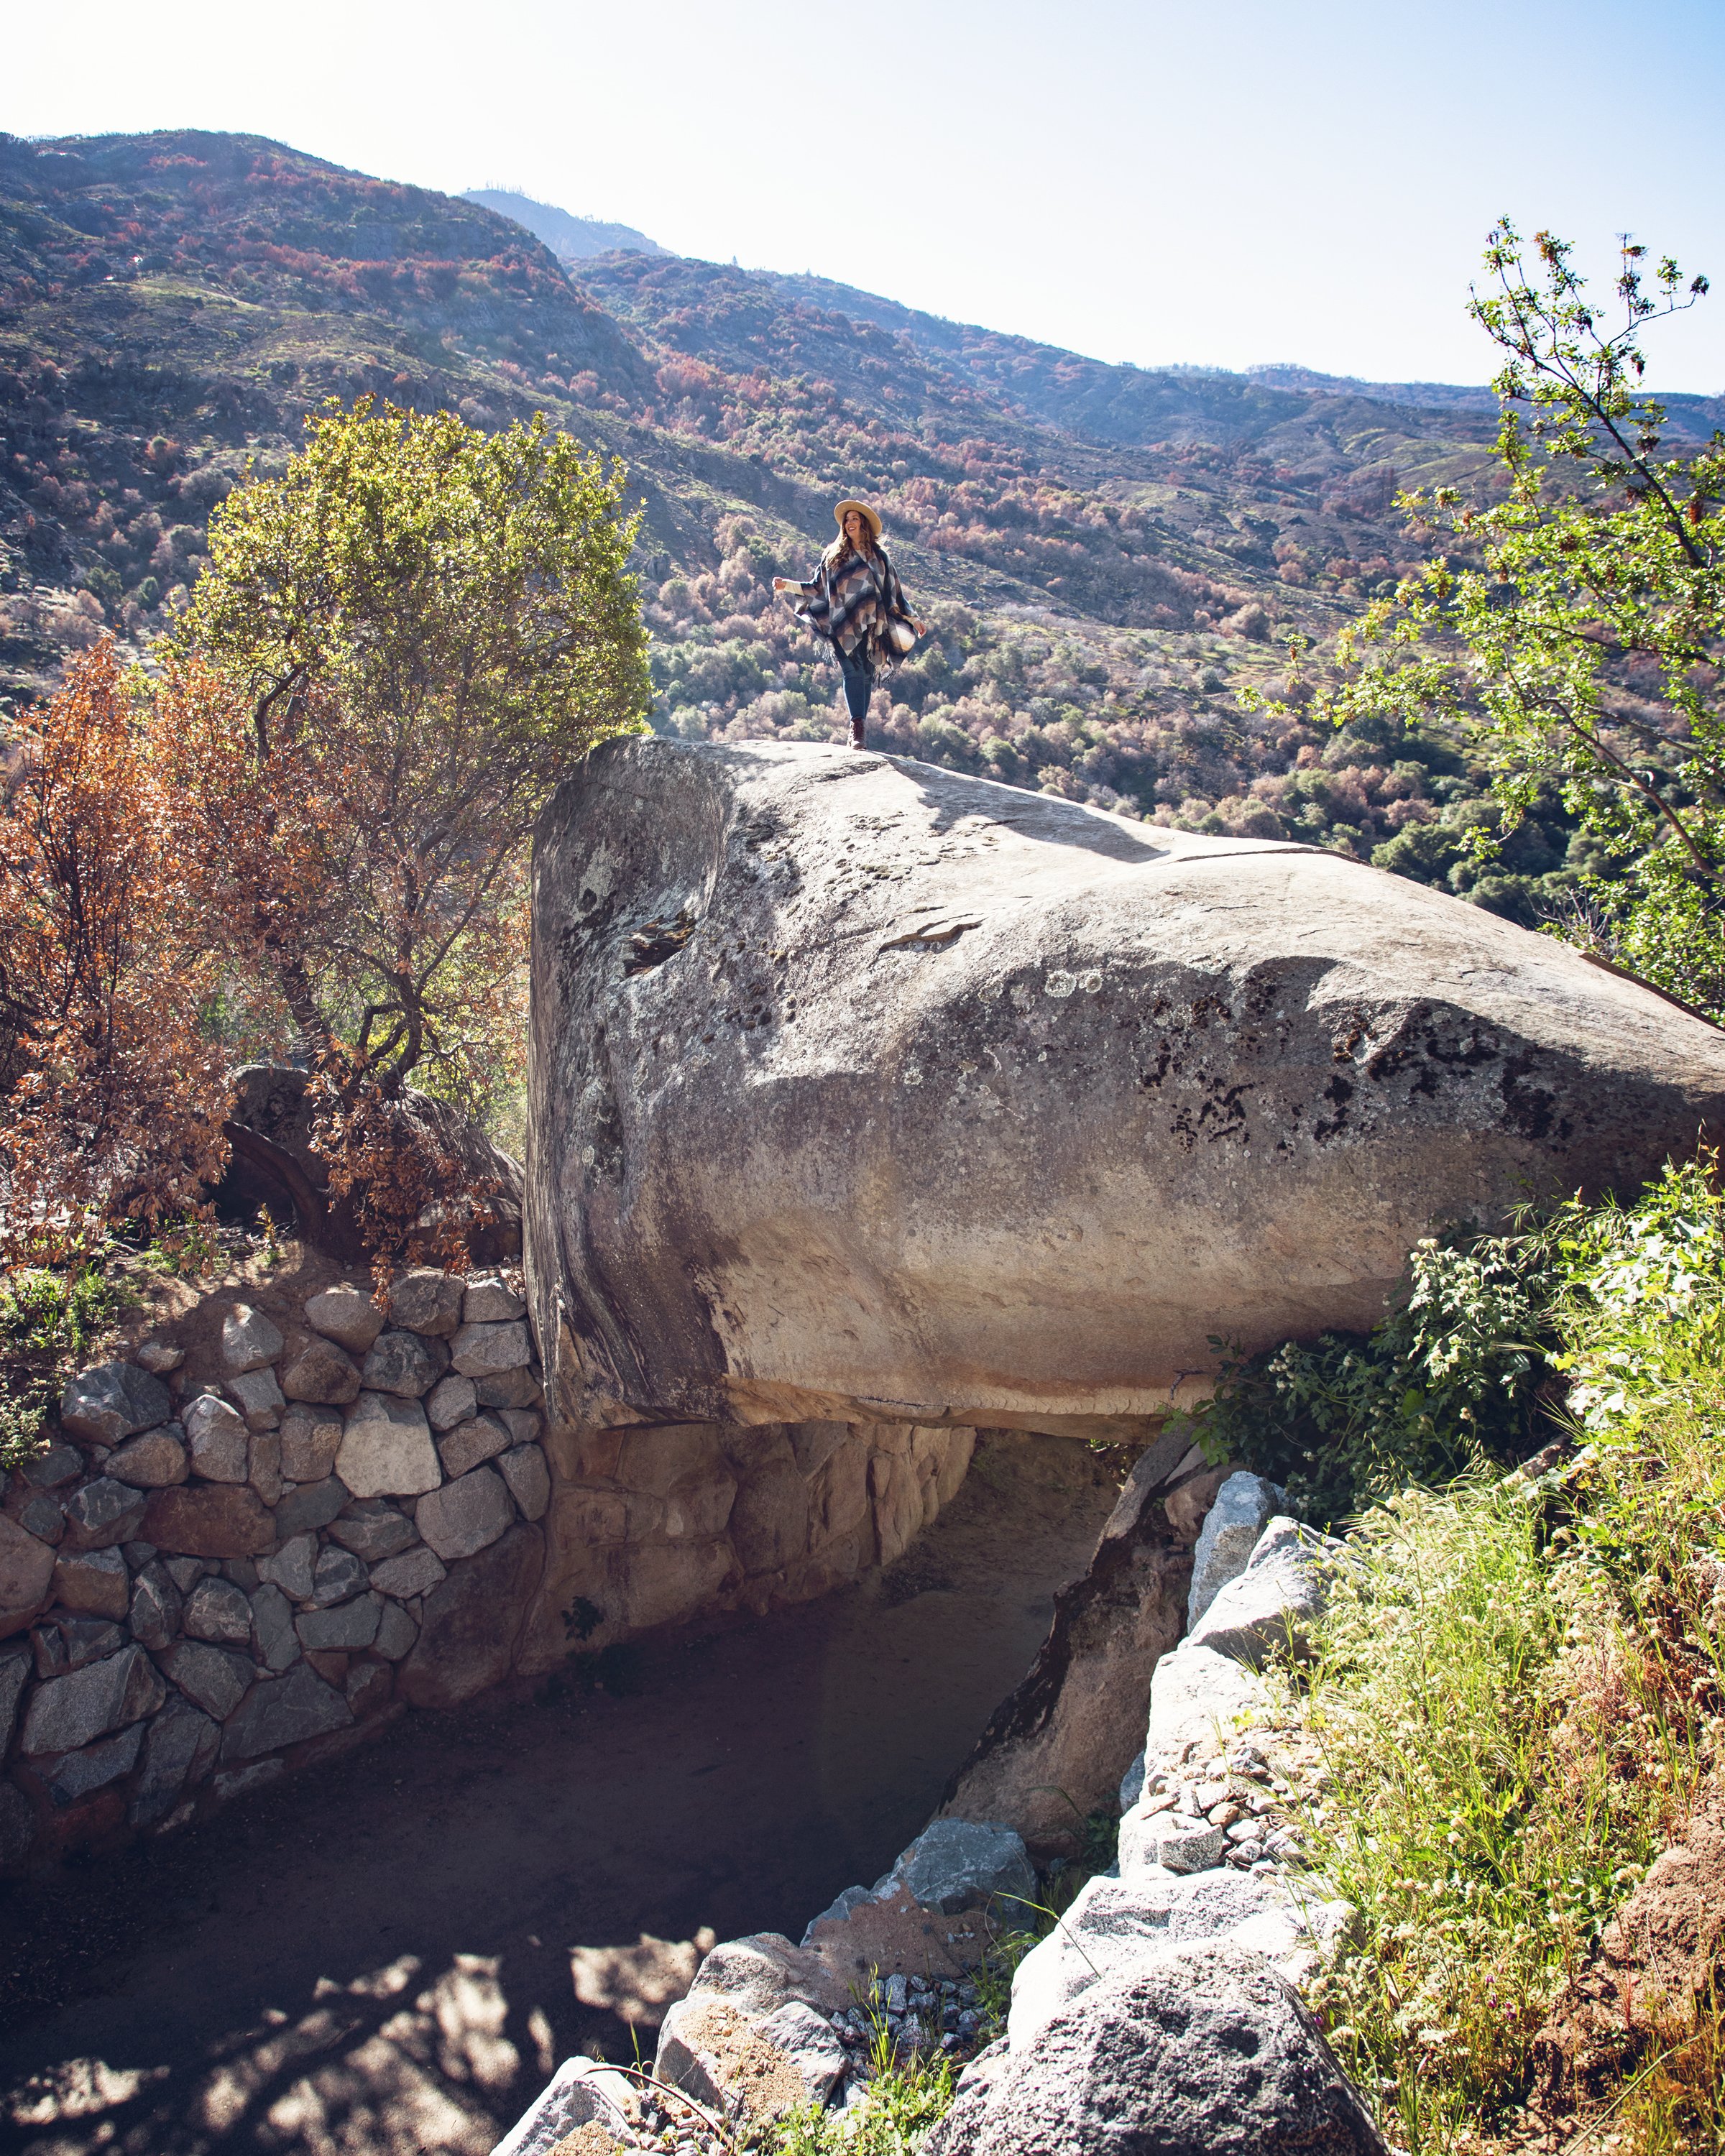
[(867, 514)]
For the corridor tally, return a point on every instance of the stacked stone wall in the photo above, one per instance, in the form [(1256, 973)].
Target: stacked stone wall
[(243, 1560), (204, 1584)]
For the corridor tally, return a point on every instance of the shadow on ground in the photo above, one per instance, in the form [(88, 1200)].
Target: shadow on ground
[(383, 1959)]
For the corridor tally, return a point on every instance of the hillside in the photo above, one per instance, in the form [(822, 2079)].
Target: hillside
[(1106, 553)]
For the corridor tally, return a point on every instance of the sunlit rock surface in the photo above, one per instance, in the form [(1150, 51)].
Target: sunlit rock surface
[(863, 1090)]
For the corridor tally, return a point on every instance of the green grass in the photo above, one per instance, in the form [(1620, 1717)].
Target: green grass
[(1518, 1693), (904, 2099), (47, 1321)]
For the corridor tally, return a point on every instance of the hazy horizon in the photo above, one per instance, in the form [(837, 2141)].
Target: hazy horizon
[(1115, 178)]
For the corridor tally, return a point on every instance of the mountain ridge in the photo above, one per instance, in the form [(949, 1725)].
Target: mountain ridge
[(1106, 554), (570, 238)]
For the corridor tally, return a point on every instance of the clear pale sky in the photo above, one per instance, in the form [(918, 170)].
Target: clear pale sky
[(1223, 185)]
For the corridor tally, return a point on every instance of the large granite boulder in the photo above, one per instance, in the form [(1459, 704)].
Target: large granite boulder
[(860, 1089), (1205, 2052)]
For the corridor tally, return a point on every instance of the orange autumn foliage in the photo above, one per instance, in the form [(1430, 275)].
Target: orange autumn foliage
[(113, 1099), (330, 877), (361, 881)]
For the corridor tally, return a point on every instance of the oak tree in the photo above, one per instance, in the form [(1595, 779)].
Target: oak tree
[(399, 648), (1572, 631)]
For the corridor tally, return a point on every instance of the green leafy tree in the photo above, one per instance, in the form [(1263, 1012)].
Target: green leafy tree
[(398, 648), (1572, 631)]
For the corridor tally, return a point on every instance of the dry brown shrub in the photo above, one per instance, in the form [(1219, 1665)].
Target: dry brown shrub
[(113, 1096)]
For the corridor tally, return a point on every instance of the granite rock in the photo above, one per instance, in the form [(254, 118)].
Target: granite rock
[(274, 1642), (966, 1864), (581, 2094), (386, 1450), (404, 1364), (69, 1712), (1244, 1508), (216, 1612), (282, 1710), (112, 1401), (310, 1439), (337, 1576), (312, 1505), (466, 1515), (219, 1440), (64, 1643), (487, 1350), (259, 1397), (405, 1577), (471, 1621), (1271, 1605), (396, 1631), (74, 1774), (529, 1479), (490, 1300), (451, 1400), (249, 1340), (508, 1388), (1206, 2052), (346, 1315), (731, 1235), (102, 1513), (55, 1464), (426, 1300), (344, 1630), (215, 1678), (179, 1751), (157, 1460), (44, 1517), (373, 1529), (15, 1668), (320, 1372), (26, 1575), (481, 1438), (292, 1568), (209, 1520), (155, 1605), (94, 1582)]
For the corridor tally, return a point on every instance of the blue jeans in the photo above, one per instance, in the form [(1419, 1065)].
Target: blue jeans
[(858, 685)]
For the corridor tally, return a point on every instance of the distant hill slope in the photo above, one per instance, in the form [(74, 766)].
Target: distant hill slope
[(1106, 553), (571, 238)]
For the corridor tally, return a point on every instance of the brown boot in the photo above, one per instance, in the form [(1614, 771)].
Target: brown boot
[(856, 733)]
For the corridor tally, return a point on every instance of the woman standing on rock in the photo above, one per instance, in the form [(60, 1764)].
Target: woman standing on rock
[(854, 601)]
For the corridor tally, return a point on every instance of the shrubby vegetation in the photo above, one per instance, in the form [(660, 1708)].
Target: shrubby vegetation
[(110, 1082), (1571, 635), (1520, 1698), (309, 829)]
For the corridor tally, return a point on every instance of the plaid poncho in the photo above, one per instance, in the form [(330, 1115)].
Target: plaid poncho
[(859, 602)]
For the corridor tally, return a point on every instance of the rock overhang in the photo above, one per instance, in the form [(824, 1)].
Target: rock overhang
[(860, 1089)]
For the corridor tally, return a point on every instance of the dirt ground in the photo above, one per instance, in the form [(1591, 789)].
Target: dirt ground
[(376, 1960)]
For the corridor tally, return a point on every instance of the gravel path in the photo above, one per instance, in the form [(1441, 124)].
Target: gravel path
[(375, 1960)]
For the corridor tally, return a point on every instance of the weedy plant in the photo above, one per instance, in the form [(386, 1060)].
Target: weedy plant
[(1453, 1377), (905, 2098), (1519, 1694), (46, 1320)]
